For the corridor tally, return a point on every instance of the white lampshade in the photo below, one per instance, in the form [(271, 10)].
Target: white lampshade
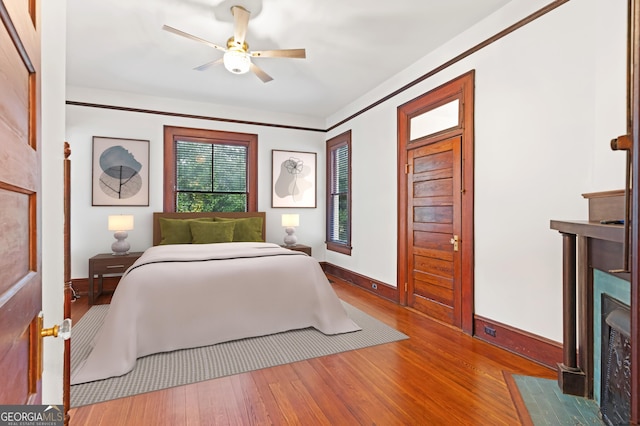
[(236, 61), (290, 220), (121, 222)]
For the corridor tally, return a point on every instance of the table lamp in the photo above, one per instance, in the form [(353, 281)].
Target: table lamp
[(120, 224), (290, 221)]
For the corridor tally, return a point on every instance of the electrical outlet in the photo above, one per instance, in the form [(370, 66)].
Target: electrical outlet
[(374, 286), (490, 331)]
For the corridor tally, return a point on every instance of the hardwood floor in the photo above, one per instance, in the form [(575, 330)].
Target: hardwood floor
[(439, 376)]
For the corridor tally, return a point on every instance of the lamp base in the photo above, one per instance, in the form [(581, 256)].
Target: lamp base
[(120, 247), (290, 239)]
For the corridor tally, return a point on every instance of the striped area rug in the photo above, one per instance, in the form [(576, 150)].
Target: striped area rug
[(164, 370)]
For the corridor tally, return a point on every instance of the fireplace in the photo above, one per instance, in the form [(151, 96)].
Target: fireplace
[(615, 392), (596, 360), (593, 264)]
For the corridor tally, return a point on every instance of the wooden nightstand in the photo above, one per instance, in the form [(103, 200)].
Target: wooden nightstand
[(108, 264), (300, 247)]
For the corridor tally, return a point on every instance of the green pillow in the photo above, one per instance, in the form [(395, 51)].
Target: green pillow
[(211, 232), (177, 231), (247, 229)]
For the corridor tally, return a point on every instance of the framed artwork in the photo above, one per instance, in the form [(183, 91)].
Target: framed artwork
[(293, 180), (120, 174)]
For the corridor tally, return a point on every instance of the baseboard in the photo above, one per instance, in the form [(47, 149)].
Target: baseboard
[(81, 285), (376, 287), (538, 349)]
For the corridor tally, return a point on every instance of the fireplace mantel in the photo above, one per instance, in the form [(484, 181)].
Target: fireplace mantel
[(587, 245), (590, 229)]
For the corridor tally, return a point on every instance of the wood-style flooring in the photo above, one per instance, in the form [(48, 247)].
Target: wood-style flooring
[(439, 376)]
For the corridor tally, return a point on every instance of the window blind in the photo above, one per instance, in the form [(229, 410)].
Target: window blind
[(210, 176), (339, 216)]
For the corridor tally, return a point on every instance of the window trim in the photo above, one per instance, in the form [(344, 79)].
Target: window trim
[(332, 144), (171, 134)]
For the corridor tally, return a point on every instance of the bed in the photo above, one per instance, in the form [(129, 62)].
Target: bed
[(184, 295)]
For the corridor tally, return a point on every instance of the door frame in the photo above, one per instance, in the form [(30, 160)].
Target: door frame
[(461, 88)]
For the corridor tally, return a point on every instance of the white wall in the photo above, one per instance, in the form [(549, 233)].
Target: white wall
[(89, 234), (548, 99), (53, 14)]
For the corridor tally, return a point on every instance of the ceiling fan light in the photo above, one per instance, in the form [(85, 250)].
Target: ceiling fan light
[(237, 62)]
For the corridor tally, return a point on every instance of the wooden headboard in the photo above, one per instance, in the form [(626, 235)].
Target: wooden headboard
[(236, 215)]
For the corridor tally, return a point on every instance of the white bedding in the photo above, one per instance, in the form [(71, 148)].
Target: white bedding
[(184, 296)]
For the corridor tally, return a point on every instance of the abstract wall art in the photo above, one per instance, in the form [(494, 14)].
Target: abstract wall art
[(293, 179), (120, 172)]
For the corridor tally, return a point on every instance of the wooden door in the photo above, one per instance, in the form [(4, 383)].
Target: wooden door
[(435, 202), (434, 224), (20, 263)]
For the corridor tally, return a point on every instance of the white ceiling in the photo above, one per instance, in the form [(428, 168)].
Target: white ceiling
[(352, 46)]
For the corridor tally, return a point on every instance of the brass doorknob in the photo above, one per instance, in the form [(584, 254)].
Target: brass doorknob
[(63, 330)]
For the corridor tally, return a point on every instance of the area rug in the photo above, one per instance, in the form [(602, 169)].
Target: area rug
[(164, 370)]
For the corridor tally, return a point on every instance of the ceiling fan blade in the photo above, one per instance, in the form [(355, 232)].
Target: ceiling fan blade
[(209, 64), (284, 53), (261, 74), (192, 37), (241, 21)]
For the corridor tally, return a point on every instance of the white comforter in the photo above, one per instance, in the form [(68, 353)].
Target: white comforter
[(185, 296)]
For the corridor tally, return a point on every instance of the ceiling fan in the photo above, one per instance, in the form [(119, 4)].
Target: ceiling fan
[(237, 56)]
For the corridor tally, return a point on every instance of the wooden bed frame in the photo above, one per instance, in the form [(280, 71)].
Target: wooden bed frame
[(235, 215)]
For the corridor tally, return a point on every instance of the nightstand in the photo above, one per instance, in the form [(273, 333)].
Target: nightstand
[(108, 264), (300, 247)]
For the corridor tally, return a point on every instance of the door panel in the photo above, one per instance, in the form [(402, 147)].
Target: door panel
[(434, 288), (433, 245), (441, 269), (438, 311), (439, 186), (14, 264), (446, 228), (435, 217), (20, 261)]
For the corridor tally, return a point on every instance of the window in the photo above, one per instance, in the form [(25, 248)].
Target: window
[(208, 170), (339, 193)]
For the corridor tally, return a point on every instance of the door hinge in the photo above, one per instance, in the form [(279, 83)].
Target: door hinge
[(405, 287), (407, 167)]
